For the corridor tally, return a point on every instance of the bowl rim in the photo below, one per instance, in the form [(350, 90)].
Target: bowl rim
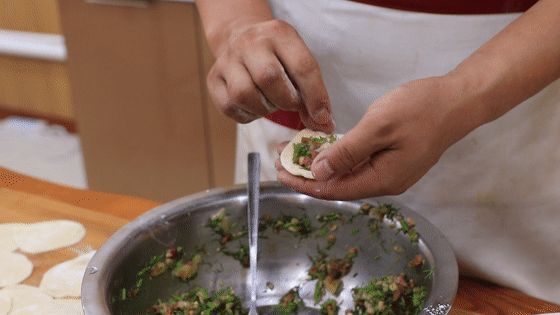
[(95, 284)]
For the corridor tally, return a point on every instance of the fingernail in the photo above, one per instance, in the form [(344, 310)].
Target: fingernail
[(322, 116), (322, 170)]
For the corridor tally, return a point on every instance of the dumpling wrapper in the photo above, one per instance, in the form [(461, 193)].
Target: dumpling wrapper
[(53, 307), (286, 157), (32, 309), (66, 307), (65, 279), (14, 268), (49, 235), (23, 295), (5, 303), (8, 232)]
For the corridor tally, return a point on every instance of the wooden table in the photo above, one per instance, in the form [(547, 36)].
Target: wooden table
[(473, 296)]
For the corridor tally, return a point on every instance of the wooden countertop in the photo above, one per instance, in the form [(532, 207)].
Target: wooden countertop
[(473, 296)]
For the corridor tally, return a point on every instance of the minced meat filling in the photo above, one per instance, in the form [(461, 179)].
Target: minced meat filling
[(391, 294), (198, 301), (308, 149), (388, 295)]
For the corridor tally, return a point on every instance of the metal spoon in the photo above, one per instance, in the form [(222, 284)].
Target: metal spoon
[(253, 187)]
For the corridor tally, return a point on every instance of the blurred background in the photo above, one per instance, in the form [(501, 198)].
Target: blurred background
[(111, 96)]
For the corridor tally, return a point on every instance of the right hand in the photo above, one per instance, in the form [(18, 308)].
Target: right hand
[(267, 66)]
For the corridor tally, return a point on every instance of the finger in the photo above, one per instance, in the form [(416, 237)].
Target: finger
[(381, 176), (280, 146), (356, 147), (278, 165), (311, 124), (242, 91), (304, 71), (219, 96), (307, 186), (270, 77)]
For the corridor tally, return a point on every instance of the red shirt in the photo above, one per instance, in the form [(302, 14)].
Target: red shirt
[(455, 6), (291, 119)]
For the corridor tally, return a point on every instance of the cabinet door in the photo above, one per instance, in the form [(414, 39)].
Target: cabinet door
[(137, 84), (221, 130), (32, 85)]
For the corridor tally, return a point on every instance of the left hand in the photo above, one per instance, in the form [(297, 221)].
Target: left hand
[(401, 136)]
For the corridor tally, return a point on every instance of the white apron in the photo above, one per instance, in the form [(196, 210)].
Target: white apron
[(496, 193)]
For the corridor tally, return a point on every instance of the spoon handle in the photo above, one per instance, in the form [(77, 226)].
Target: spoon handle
[(253, 187)]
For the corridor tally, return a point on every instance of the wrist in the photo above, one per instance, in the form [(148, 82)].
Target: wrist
[(473, 90), (465, 105), (218, 36)]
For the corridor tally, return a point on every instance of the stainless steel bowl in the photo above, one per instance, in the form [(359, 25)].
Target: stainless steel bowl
[(283, 259)]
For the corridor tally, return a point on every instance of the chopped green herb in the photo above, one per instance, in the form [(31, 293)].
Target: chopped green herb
[(297, 225), (148, 267), (419, 295), (199, 301), (221, 224), (429, 273), (329, 272), (241, 255), (139, 282), (290, 302), (330, 217), (378, 213), (308, 148), (319, 291), (404, 226), (300, 149), (329, 307), (186, 270), (389, 295), (323, 231), (155, 267)]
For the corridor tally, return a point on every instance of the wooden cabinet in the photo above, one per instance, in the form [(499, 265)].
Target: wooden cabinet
[(137, 74), (31, 85), (38, 16)]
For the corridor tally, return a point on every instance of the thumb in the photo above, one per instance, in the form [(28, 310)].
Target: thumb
[(356, 147)]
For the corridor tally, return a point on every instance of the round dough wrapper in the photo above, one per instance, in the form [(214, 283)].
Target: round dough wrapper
[(14, 268), (286, 157), (67, 307), (8, 231), (65, 279), (23, 295), (5, 303), (49, 235), (53, 307), (30, 310)]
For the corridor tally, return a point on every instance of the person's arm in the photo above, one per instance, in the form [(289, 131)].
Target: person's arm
[(404, 133), (515, 64), (261, 65)]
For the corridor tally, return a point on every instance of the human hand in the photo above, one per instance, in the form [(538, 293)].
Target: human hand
[(267, 66), (401, 136)]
